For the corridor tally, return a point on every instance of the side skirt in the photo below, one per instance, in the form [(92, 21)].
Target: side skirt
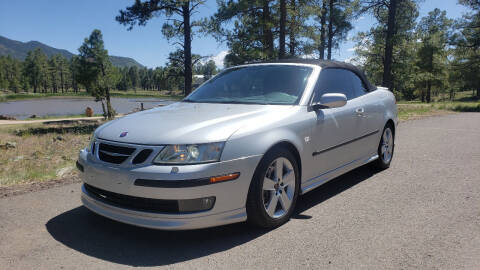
[(329, 175)]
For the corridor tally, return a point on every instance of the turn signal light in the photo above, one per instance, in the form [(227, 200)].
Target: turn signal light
[(226, 177)]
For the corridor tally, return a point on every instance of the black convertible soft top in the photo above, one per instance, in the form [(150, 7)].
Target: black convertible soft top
[(330, 64)]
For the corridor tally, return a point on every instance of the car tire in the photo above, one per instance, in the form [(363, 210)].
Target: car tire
[(271, 190), (386, 148)]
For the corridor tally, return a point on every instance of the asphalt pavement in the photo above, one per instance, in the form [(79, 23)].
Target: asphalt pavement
[(422, 213)]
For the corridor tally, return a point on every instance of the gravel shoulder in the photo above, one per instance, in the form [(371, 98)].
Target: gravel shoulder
[(20, 189), (423, 213)]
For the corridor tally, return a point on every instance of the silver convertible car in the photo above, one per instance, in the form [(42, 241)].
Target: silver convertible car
[(242, 147)]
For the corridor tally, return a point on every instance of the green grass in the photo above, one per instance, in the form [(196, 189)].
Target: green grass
[(47, 117), (8, 96), (34, 159), (146, 94), (409, 110), (11, 96)]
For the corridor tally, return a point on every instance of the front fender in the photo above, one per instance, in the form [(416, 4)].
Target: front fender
[(259, 138), (259, 143)]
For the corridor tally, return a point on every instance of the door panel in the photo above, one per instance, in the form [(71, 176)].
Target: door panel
[(341, 135), (334, 137), (369, 127)]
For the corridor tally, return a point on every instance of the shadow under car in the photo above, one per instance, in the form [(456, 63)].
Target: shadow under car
[(99, 237)]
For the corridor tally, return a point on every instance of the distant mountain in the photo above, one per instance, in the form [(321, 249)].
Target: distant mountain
[(19, 50)]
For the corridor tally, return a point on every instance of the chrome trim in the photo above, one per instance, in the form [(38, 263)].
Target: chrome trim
[(114, 154), (128, 162), (344, 143)]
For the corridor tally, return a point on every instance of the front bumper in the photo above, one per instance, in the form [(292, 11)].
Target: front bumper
[(230, 197)]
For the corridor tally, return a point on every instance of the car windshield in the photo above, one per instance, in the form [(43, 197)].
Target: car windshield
[(262, 84)]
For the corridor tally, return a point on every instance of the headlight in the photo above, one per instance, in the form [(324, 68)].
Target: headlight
[(190, 154)]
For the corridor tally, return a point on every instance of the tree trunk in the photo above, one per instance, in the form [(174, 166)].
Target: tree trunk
[(103, 109), (110, 110), (429, 91), (323, 22), (187, 48), (283, 21), (292, 29), (387, 65), (330, 29), (267, 31), (62, 81)]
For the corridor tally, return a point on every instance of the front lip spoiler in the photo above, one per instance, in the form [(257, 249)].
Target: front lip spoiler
[(179, 183), (160, 221)]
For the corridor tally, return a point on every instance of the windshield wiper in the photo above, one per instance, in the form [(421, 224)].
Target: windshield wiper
[(189, 100)]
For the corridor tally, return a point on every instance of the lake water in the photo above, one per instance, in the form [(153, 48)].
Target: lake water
[(66, 106)]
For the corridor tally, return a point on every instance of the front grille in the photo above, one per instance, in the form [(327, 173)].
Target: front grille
[(142, 156), (134, 203), (114, 153)]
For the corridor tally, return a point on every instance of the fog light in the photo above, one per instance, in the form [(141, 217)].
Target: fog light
[(195, 205)]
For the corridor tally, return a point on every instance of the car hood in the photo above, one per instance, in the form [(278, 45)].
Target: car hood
[(187, 123)]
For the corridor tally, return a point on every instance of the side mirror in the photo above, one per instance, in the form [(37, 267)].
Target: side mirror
[(330, 100)]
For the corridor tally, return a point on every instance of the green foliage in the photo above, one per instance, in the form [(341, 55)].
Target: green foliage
[(433, 31), (432, 58), (95, 71), (332, 22), (19, 50), (467, 51), (36, 69), (10, 74), (58, 75), (370, 48), (208, 69), (251, 28), (175, 69), (396, 19), (247, 27), (428, 59), (179, 26)]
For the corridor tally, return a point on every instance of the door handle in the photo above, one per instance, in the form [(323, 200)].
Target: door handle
[(360, 111)]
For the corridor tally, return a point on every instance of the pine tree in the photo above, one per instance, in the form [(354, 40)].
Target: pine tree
[(390, 13), (432, 54), (181, 29), (35, 69), (96, 72)]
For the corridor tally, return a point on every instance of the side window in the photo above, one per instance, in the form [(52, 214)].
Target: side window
[(358, 85), (335, 80)]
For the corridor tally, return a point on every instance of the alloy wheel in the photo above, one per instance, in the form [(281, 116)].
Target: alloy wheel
[(279, 187), (386, 149)]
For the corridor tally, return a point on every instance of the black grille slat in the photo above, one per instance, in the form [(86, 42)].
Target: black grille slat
[(116, 149), (113, 153), (111, 159), (134, 203), (142, 156)]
